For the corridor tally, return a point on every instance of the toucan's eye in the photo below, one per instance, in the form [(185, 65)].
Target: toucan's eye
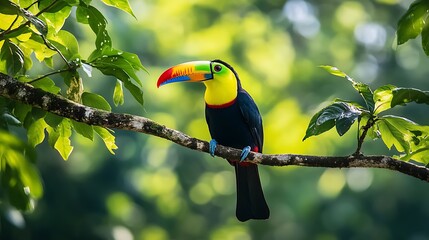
[(217, 68)]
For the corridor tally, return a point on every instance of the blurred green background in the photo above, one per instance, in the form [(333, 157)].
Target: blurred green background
[(153, 189)]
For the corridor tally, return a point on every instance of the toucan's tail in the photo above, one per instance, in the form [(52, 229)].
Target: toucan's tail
[(251, 202)]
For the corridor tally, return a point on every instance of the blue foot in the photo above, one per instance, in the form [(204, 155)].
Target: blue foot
[(244, 153), (212, 147)]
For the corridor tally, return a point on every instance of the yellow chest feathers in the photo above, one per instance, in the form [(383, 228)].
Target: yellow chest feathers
[(221, 90)]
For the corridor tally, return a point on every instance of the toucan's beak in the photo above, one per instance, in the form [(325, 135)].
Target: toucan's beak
[(194, 71)]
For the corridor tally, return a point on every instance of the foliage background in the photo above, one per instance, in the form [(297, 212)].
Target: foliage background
[(152, 189)]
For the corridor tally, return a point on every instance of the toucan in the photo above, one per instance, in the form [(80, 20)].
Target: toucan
[(234, 121)]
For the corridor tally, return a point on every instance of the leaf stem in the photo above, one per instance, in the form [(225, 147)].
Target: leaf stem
[(11, 25), (31, 5), (361, 138), (52, 47), (49, 74)]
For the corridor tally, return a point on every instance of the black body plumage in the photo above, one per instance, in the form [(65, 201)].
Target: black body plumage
[(238, 125)]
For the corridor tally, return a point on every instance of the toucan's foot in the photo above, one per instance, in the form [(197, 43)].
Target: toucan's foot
[(212, 147), (244, 153)]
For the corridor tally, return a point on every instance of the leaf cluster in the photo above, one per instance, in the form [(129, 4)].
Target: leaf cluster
[(33, 30), (414, 23), (408, 137)]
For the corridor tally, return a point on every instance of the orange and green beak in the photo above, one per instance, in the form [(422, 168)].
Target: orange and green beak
[(194, 71)]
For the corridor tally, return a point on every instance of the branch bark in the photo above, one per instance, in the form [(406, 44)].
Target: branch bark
[(21, 92)]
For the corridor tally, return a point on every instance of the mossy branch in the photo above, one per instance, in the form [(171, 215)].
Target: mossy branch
[(21, 92)]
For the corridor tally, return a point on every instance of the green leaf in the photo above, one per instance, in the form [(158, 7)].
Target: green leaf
[(120, 4), (412, 22), (50, 7), (28, 62), (121, 65), (96, 101), (56, 19), (108, 138), (8, 119), (21, 110), (333, 70), (47, 85), (116, 63), (18, 197), (363, 89), (31, 179), (402, 96), (9, 8), (19, 178), (36, 44), (97, 22), (37, 113), (366, 94), (53, 120), (400, 132), (83, 129), (339, 114), (63, 144), (13, 57), (421, 155), (76, 2), (383, 97), (118, 94), (36, 132), (53, 136), (66, 43), (82, 14), (116, 66), (49, 62), (135, 91)]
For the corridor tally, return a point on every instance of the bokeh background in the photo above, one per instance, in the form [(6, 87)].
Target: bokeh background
[(153, 189)]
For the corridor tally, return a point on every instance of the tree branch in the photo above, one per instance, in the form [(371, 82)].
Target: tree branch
[(21, 92)]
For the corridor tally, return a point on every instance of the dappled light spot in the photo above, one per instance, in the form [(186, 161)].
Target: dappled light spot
[(350, 13), (408, 56), (224, 182), (152, 184), (367, 70), (331, 183), (169, 204), (15, 217), (153, 232), (122, 233), (231, 233), (302, 15), (371, 35), (201, 193), (359, 179), (119, 205)]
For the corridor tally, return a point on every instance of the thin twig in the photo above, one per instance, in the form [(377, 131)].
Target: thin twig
[(53, 48), (361, 139), (48, 74), (31, 5), (47, 8), (14, 21)]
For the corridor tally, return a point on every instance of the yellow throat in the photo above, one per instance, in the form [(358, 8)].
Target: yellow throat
[(222, 89)]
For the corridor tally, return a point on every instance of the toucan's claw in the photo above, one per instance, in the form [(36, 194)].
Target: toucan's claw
[(244, 153), (212, 147)]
